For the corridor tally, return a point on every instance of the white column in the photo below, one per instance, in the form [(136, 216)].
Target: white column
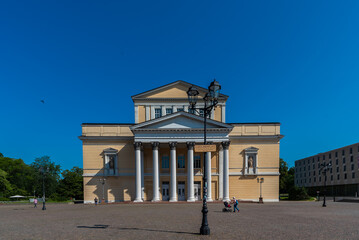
[(174, 109), (142, 176), (152, 112), (209, 176), (173, 188), (223, 113), (138, 171), (190, 173), (156, 186), (163, 111), (225, 171), (136, 114), (148, 113), (220, 169)]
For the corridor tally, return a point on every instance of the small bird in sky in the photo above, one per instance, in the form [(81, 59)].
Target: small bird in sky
[(42, 100)]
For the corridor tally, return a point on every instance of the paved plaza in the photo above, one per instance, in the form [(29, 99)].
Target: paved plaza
[(284, 220)]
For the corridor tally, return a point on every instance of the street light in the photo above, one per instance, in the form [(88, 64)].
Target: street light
[(210, 101), (260, 181), (102, 181), (324, 168), (43, 172)]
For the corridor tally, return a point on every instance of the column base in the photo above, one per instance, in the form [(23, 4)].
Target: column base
[(225, 200), (191, 200), (209, 200), (173, 200), (155, 200), (138, 200)]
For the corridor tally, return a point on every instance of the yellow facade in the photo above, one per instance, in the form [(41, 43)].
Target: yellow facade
[(101, 141)]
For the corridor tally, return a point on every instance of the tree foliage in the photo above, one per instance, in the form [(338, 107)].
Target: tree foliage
[(286, 178), (16, 177)]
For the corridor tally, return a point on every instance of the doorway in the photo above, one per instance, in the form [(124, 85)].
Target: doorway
[(181, 189), (197, 191), (165, 191)]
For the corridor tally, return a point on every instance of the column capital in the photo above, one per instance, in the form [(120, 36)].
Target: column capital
[(155, 145), (190, 145), (226, 144), (173, 145), (137, 145)]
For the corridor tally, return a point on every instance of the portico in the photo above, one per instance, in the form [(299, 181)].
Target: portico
[(182, 130)]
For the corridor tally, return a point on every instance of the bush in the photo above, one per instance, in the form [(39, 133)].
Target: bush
[(296, 193)]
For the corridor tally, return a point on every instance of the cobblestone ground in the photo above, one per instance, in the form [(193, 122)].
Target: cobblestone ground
[(284, 220)]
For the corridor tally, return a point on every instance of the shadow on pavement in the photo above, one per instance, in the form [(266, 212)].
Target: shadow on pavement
[(156, 230), (94, 226)]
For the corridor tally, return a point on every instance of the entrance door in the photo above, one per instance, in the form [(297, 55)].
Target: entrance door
[(197, 191), (181, 187), (165, 191)]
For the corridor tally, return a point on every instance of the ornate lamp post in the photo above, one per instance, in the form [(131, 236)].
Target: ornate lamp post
[(210, 101), (324, 168), (102, 181), (43, 172), (260, 181)]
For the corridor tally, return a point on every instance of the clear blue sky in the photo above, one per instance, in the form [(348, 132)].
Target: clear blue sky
[(295, 62)]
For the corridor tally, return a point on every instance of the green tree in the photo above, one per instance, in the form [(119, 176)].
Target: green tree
[(71, 184), (5, 185), (286, 178), (44, 167)]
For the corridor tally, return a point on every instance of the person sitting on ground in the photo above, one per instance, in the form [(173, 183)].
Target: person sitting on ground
[(226, 204)]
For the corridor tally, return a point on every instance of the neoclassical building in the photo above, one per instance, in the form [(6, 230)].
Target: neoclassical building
[(155, 158)]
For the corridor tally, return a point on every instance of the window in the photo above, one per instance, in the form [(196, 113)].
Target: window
[(330, 155), (308, 168), (180, 109), (180, 161), (337, 169), (338, 177), (309, 180), (323, 157), (336, 154), (343, 160), (197, 161), (314, 179), (345, 168), (318, 165), (201, 112), (320, 179), (165, 162), (343, 152), (308, 161), (351, 150), (336, 161), (352, 167), (345, 176), (313, 173), (353, 175), (331, 170), (313, 160), (308, 174), (304, 168), (158, 112), (331, 178), (304, 175), (351, 159), (169, 111)]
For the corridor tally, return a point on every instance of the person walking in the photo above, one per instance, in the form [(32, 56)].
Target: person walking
[(35, 202), (95, 200), (235, 204)]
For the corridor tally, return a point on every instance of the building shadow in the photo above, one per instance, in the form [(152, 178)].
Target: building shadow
[(158, 230)]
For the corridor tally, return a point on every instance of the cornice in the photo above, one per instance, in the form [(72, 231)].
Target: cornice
[(83, 138)]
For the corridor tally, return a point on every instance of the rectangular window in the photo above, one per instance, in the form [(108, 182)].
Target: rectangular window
[(331, 170), (304, 168), (336, 161), (158, 112), (169, 111), (308, 161), (330, 155), (353, 175), (308, 167), (180, 109), (336, 154), (197, 161), (165, 162), (343, 160), (345, 176), (313, 173), (309, 180), (323, 157), (314, 179), (308, 174), (331, 178), (338, 177), (180, 161), (352, 167), (313, 160), (337, 169), (351, 159), (351, 150), (343, 152), (345, 168), (320, 179)]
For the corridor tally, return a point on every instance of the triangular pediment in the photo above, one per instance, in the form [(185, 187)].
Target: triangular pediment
[(175, 90), (180, 121)]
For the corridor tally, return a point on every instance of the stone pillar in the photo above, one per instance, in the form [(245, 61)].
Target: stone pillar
[(220, 170), (156, 184), (190, 173), (142, 175), (209, 176), (148, 113), (225, 170), (137, 146), (173, 188)]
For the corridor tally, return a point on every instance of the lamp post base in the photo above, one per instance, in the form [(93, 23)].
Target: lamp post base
[(43, 206), (205, 230), (260, 200)]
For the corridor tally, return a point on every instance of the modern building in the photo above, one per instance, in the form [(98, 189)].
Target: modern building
[(342, 177), (155, 159)]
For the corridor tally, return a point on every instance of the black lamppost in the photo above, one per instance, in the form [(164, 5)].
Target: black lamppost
[(43, 172), (102, 181), (210, 101), (324, 168), (260, 181)]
